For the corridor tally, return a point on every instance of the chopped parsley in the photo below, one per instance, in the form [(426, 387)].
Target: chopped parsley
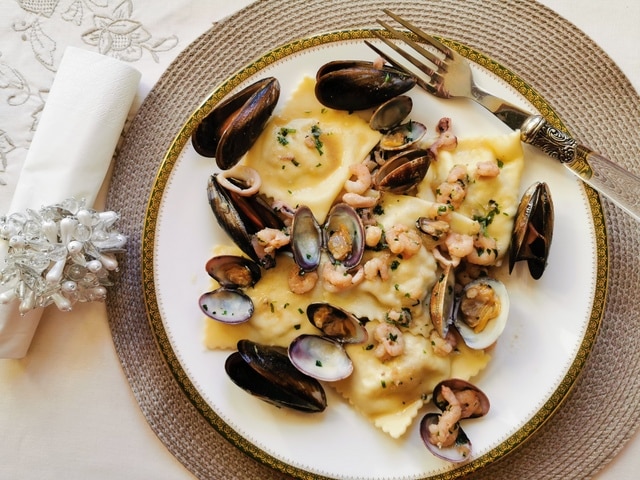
[(318, 363), (281, 136), (315, 133), (493, 209)]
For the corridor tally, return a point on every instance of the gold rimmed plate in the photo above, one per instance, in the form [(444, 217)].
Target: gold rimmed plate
[(552, 326)]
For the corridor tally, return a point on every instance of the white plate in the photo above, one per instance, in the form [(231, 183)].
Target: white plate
[(553, 322)]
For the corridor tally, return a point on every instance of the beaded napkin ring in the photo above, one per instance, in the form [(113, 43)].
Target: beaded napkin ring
[(61, 254)]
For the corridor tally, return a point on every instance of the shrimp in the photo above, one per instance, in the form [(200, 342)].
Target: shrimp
[(403, 241), (445, 432), (373, 234), (301, 282), (390, 341), (458, 173), (271, 239), (357, 200), (377, 266), (487, 169), (458, 244), (363, 181), (485, 251), (337, 278), (446, 138), (442, 346), (450, 193)]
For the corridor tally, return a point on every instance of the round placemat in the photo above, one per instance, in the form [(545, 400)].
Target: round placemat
[(586, 89)]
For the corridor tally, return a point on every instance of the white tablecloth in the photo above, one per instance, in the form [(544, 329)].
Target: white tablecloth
[(66, 410)]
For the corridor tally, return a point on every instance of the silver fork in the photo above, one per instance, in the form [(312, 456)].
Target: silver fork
[(447, 74)]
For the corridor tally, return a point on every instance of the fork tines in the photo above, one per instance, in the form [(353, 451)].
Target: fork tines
[(430, 69)]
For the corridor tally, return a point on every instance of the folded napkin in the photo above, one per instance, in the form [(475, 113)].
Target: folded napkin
[(69, 156)]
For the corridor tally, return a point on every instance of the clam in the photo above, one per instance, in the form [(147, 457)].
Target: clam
[(403, 136), (442, 300), (232, 127), (359, 85), (458, 452), (454, 445), (341, 236), (404, 171), (474, 401), (320, 357), (337, 323), (307, 239), (533, 230), (233, 271), (481, 312), (226, 305), (391, 113), (344, 235), (266, 372)]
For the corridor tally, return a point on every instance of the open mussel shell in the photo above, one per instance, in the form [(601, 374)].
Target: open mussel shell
[(403, 136), (306, 239), (344, 235), (240, 217), (233, 126), (404, 171), (320, 357), (233, 271), (457, 453), (482, 312), (226, 305), (475, 402), (391, 113), (442, 301), (359, 85), (266, 372), (533, 230), (337, 323)]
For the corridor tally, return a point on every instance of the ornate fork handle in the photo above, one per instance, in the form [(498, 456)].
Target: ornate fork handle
[(618, 184)]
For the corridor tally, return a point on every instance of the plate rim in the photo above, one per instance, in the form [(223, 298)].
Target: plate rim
[(515, 440)]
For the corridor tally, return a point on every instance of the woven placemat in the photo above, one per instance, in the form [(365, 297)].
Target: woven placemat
[(586, 89)]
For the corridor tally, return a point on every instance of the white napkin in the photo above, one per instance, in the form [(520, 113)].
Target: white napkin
[(69, 156)]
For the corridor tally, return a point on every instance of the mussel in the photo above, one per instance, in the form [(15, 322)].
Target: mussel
[(358, 85), (404, 171), (233, 126), (447, 441), (324, 356), (533, 230), (341, 236), (266, 372), (241, 217)]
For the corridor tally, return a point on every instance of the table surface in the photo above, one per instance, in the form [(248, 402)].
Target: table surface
[(67, 410)]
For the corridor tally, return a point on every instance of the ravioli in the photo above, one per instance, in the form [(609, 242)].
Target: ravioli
[(304, 158), (304, 153)]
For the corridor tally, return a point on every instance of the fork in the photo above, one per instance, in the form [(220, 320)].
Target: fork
[(447, 74)]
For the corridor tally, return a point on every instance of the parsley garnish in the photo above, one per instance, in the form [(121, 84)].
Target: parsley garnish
[(282, 135)]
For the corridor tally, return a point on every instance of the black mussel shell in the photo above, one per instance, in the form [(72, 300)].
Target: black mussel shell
[(234, 125), (266, 372), (354, 85), (533, 230)]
